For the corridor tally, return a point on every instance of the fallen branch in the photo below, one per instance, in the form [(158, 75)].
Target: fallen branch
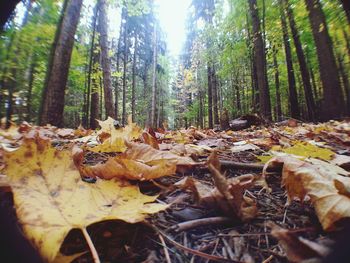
[(226, 164), (201, 222)]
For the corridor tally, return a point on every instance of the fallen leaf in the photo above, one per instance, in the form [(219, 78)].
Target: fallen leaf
[(115, 143), (297, 248), (150, 156), (51, 199), (323, 182), (150, 140), (123, 168), (243, 146), (227, 195)]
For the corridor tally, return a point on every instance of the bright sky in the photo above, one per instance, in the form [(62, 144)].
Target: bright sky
[(172, 15)]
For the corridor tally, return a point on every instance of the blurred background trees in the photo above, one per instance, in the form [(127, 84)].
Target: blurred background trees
[(277, 58)]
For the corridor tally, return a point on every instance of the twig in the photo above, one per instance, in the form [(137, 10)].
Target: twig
[(91, 246), (166, 252), (196, 252), (268, 259), (247, 166), (201, 222)]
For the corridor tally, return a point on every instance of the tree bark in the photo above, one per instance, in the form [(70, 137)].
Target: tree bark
[(260, 60), (293, 95), (91, 57), (154, 67), (305, 75), (30, 87), (346, 6), (277, 84), (333, 103), (57, 71), (345, 80), (7, 7), (210, 97), (116, 91), (105, 60), (215, 97), (133, 89), (125, 61)]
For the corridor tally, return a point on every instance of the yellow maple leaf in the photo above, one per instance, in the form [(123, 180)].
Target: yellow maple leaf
[(301, 149), (115, 143), (51, 199)]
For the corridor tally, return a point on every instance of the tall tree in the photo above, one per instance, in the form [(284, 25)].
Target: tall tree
[(305, 75), (346, 6), (278, 115), (133, 87), (333, 103), (260, 60), (154, 78), (125, 64), (105, 61), (293, 96), (58, 66)]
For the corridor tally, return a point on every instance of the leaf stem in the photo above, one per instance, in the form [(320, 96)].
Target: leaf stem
[(91, 246)]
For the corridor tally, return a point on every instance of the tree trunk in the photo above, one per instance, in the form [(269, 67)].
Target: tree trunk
[(30, 87), (260, 60), (293, 95), (91, 56), (105, 60), (333, 103), (57, 71), (7, 7), (126, 48), (346, 84), (133, 90), (346, 6), (215, 96), (305, 75), (277, 83), (154, 67), (10, 89), (210, 98), (116, 91)]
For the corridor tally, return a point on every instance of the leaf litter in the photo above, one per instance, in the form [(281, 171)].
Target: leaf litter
[(219, 212)]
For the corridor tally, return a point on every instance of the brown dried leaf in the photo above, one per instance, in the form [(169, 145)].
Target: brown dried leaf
[(297, 248), (322, 182), (120, 167)]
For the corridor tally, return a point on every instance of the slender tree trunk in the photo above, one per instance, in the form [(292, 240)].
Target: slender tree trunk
[(57, 71), (5, 69), (126, 50), (345, 80), (32, 72), (215, 96), (154, 67), (260, 60), (253, 75), (333, 103), (7, 7), (277, 83), (116, 91), (305, 75), (210, 97), (91, 56), (10, 89), (105, 60), (346, 6), (293, 95), (133, 90)]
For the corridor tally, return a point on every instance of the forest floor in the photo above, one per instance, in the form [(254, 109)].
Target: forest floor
[(200, 224)]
